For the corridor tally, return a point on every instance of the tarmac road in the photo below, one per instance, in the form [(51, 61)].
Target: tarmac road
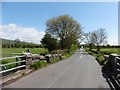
[(81, 70)]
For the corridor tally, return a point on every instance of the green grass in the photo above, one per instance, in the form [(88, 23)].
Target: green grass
[(65, 56), (38, 65), (111, 50), (8, 52), (9, 61), (107, 50), (103, 51)]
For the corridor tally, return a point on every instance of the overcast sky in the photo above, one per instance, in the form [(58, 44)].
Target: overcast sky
[(26, 20)]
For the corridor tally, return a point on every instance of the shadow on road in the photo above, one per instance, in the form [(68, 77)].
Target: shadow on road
[(112, 80)]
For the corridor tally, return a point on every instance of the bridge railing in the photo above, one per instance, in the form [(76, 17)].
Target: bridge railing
[(114, 61), (10, 63), (111, 70), (25, 61)]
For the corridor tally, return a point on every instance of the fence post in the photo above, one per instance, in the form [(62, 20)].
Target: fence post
[(23, 63), (28, 61), (113, 61), (48, 59), (17, 61), (118, 64)]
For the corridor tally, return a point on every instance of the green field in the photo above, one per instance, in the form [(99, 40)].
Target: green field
[(8, 52), (107, 50), (110, 50)]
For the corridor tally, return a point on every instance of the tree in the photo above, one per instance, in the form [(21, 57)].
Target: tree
[(65, 28), (89, 39), (100, 37), (49, 42), (17, 43)]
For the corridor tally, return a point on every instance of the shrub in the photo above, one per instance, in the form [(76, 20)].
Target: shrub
[(54, 60), (100, 59), (106, 52), (38, 64)]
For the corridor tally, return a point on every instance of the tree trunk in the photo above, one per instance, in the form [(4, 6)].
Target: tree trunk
[(98, 48), (62, 43), (90, 45)]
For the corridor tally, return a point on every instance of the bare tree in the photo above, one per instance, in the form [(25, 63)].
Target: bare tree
[(100, 37), (89, 39)]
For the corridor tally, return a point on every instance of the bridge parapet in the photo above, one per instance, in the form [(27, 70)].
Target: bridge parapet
[(114, 60), (25, 61)]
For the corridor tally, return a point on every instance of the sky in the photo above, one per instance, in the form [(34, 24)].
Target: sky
[(26, 20)]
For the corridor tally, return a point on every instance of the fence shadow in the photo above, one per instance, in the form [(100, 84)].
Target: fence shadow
[(110, 77)]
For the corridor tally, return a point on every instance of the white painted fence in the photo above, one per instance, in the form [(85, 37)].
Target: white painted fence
[(16, 62), (27, 59)]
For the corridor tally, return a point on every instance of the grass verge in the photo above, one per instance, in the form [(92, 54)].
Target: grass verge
[(40, 64), (98, 55)]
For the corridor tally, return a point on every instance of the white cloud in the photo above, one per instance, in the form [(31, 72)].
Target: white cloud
[(13, 31)]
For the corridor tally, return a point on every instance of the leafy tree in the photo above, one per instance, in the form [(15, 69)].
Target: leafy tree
[(65, 28), (49, 42)]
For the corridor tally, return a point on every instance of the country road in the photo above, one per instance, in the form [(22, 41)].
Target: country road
[(81, 70)]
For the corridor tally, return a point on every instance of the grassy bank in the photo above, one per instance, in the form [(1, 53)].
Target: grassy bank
[(110, 50), (103, 51), (40, 64)]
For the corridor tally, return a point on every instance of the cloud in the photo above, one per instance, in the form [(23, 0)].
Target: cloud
[(13, 31)]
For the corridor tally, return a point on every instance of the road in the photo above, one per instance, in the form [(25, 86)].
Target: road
[(81, 70)]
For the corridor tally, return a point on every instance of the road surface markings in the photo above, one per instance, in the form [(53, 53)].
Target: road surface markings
[(79, 58)]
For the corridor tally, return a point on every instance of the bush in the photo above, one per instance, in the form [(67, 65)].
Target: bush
[(54, 60), (94, 51), (73, 47), (65, 56), (99, 56), (100, 59), (38, 64), (106, 52)]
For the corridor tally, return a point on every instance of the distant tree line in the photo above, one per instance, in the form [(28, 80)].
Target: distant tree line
[(18, 44), (102, 46)]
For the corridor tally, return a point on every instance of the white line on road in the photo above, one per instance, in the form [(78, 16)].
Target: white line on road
[(79, 58), (50, 85)]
